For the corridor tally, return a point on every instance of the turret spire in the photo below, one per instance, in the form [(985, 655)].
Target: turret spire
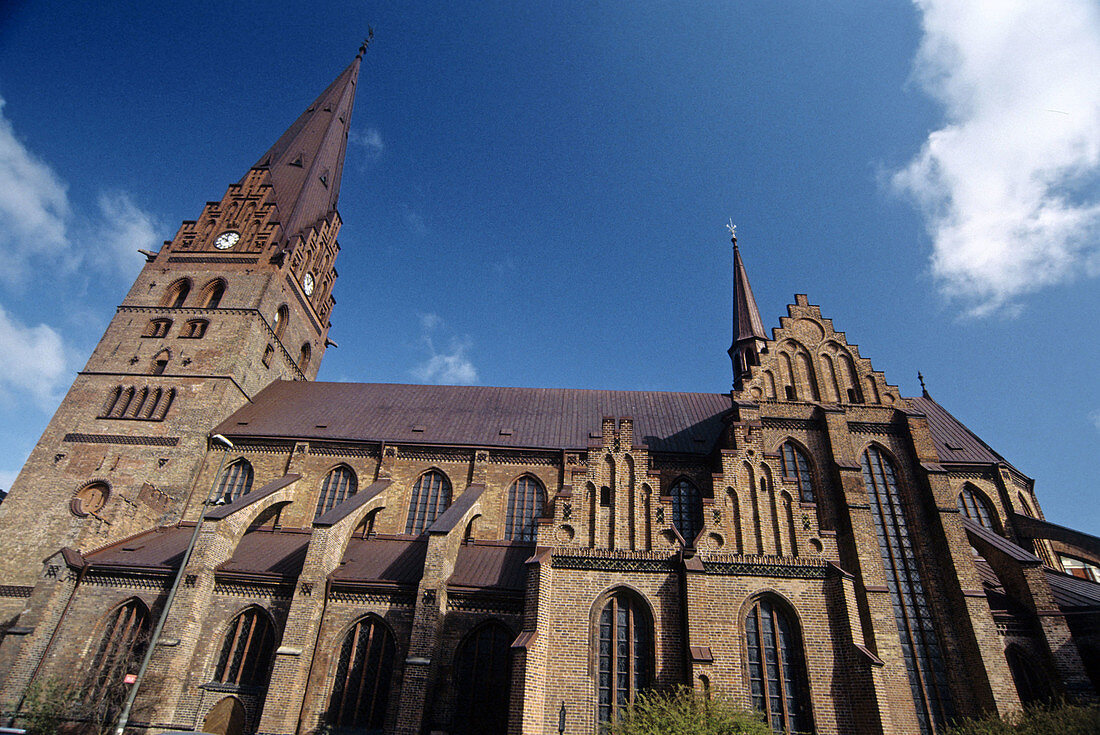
[(307, 161), (749, 338)]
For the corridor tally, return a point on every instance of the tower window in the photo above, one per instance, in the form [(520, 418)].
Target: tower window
[(268, 354), (247, 652), (160, 365), (431, 496), (525, 503), (304, 357), (361, 691), (281, 317), (236, 481), (177, 293), (158, 328), (796, 467), (687, 509), (790, 392), (195, 329), (339, 485), (624, 654), (777, 672), (212, 294)]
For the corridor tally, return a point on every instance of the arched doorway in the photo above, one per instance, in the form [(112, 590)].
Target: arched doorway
[(225, 718)]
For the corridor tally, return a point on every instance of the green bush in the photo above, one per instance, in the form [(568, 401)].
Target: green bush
[(686, 712), (1061, 719), (47, 704)]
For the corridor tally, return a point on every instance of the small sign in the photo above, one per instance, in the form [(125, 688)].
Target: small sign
[(130, 679)]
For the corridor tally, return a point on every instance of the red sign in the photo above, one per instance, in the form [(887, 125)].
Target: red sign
[(130, 679)]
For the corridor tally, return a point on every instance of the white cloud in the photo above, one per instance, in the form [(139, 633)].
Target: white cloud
[(1094, 417), (452, 367), (369, 140), (33, 361), (34, 206), (1005, 184), (122, 228)]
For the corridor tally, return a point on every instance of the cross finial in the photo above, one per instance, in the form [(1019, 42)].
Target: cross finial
[(923, 390), (366, 41), (733, 231)]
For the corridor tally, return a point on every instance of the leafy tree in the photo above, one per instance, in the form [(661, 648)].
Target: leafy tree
[(1057, 719)]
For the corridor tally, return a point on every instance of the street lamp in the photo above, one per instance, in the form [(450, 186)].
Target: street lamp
[(124, 718), (561, 719)]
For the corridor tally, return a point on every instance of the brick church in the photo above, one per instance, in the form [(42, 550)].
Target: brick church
[(432, 559)]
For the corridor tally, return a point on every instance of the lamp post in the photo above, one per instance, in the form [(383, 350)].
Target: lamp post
[(124, 718), (561, 719)]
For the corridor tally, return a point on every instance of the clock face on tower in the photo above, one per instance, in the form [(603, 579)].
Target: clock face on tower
[(227, 240), (307, 284)]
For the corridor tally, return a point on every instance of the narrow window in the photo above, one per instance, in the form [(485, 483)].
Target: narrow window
[(304, 357), (248, 650), (236, 481), (120, 649), (976, 508), (912, 612), (363, 674), (777, 672), (796, 467), (160, 365), (624, 654), (482, 678), (111, 402), (525, 502), (430, 496), (789, 391), (687, 509), (212, 294), (177, 293), (281, 317), (268, 354), (605, 496), (339, 485)]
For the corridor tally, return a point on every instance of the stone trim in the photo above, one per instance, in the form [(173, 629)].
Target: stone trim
[(790, 424), (151, 441), (15, 590)]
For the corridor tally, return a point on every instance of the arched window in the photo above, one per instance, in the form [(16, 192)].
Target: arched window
[(304, 357), (120, 649), (624, 654), (158, 328), (177, 293), (362, 687), (482, 677), (687, 509), (160, 362), (195, 329), (339, 485), (248, 650), (796, 467), (525, 502), (912, 611), (975, 507), (281, 317), (776, 668), (236, 481), (431, 495), (212, 294)]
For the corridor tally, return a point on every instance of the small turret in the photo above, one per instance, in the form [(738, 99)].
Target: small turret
[(749, 339)]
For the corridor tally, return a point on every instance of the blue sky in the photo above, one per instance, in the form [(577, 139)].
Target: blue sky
[(536, 193)]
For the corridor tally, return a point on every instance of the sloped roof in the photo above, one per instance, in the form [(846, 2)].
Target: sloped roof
[(307, 161), (491, 566), (1073, 593), (161, 548), (269, 553), (746, 315), (398, 561), (954, 442), (551, 418)]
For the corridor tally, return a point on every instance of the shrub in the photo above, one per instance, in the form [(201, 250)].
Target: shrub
[(687, 712), (47, 704), (1059, 719)]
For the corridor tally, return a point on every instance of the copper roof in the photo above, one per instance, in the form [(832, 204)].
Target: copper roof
[(269, 553), (491, 566), (389, 560), (1073, 593), (307, 161), (550, 418), (954, 442), (161, 548)]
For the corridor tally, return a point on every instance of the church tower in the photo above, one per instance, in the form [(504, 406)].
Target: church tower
[(238, 299)]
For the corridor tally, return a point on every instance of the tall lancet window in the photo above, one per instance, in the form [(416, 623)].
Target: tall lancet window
[(687, 509), (777, 672), (624, 656), (339, 485), (525, 501), (912, 613), (431, 495)]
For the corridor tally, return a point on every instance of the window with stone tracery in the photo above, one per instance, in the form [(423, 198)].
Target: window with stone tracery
[(248, 650), (339, 485), (687, 509), (430, 497), (360, 693), (796, 467), (236, 481), (776, 667), (624, 654), (525, 502)]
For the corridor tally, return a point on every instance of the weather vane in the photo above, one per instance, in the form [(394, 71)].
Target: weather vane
[(366, 41), (733, 231)]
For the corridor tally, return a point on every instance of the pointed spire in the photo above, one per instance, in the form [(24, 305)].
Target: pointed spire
[(307, 161), (749, 339)]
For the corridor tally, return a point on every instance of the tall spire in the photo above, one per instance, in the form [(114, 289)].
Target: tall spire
[(749, 337), (307, 161)]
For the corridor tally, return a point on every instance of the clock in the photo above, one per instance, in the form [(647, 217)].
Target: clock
[(227, 240), (307, 284)]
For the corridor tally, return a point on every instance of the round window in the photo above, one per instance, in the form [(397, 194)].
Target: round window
[(90, 499)]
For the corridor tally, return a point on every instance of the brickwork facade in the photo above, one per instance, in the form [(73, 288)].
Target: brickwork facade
[(812, 544)]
